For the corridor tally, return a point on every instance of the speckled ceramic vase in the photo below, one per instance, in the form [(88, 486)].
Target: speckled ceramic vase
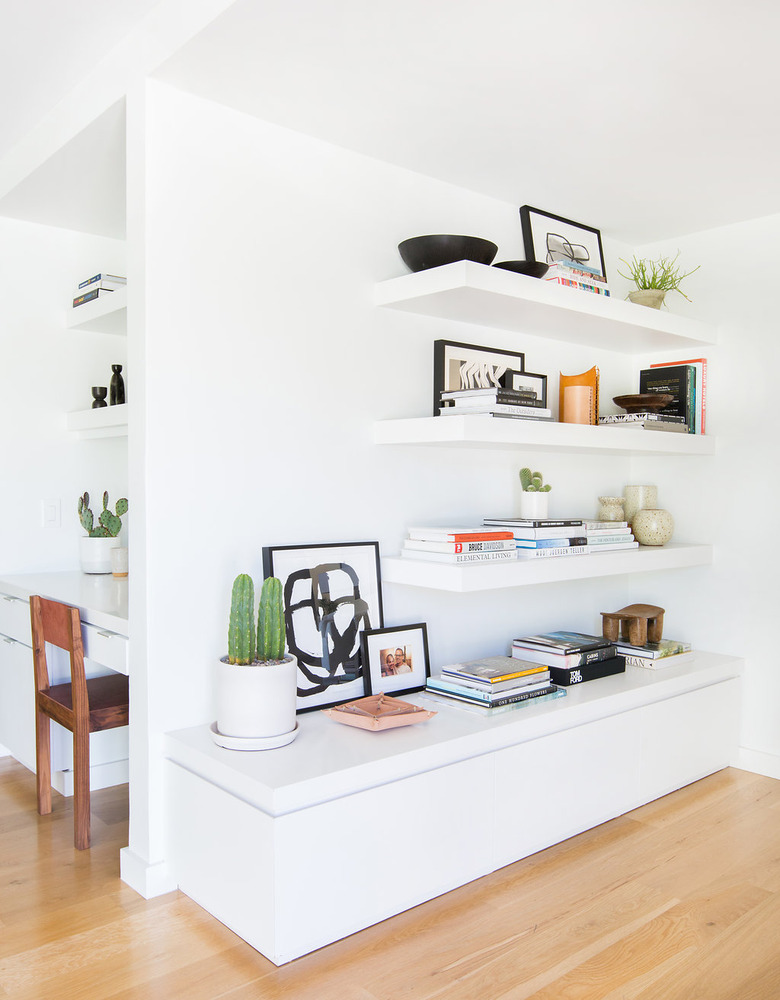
[(637, 497), (652, 297), (610, 509), (653, 526)]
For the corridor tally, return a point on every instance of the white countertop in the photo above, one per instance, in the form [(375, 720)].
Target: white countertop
[(100, 597), (329, 760)]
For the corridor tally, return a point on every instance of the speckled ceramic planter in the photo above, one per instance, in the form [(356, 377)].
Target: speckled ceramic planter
[(653, 526), (637, 497), (652, 297)]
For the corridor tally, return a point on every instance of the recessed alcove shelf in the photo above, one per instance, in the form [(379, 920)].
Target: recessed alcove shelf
[(466, 292), (107, 314), (556, 569), (481, 431)]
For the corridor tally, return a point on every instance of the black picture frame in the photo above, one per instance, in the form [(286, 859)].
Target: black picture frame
[(396, 679), (527, 380), (450, 355), (332, 591), (576, 242)]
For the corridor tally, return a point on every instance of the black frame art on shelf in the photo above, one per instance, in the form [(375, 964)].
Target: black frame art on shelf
[(455, 363), (410, 668), (332, 592), (527, 380), (551, 238)]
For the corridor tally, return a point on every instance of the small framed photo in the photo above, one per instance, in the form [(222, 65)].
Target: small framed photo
[(396, 659), (468, 366), (551, 238), (527, 380), (332, 592)]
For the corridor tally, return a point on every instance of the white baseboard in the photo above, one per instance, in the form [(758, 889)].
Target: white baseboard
[(148, 880), (115, 772), (758, 762)]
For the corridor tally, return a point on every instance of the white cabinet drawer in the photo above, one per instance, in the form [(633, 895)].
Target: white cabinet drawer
[(15, 618), (105, 647)]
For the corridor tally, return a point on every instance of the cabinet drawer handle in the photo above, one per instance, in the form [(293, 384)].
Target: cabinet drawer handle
[(11, 642), (10, 600), (106, 635)]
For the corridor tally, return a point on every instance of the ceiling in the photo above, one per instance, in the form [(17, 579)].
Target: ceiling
[(645, 121)]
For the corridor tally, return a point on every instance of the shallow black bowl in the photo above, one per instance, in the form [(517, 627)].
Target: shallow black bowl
[(421, 252), (533, 268)]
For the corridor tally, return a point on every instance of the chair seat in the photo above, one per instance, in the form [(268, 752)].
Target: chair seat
[(108, 700)]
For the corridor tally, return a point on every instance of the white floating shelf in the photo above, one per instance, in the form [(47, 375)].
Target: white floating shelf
[(107, 421), (556, 569), (107, 314), (466, 292), (480, 431)]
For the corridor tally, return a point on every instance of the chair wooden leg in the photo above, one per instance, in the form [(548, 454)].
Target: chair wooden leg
[(43, 762), (81, 804)]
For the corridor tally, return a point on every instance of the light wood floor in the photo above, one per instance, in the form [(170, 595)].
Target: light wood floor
[(679, 899)]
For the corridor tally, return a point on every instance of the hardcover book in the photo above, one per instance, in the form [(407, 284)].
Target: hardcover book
[(457, 534), (564, 660), (654, 650), (550, 543), (489, 695), (700, 364), (486, 545), (563, 641), (493, 669), (528, 522), (461, 557), (559, 550), (567, 676), (679, 381)]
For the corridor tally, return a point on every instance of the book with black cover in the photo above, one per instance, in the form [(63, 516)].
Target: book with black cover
[(528, 522), (679, 381), (564, 660), (567, 676), (562, 641)]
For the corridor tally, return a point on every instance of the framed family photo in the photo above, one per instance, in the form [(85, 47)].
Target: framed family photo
[(551, 238), (332, 593), (395, 659)]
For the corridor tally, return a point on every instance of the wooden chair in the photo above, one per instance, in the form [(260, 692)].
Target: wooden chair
[(81, 706)]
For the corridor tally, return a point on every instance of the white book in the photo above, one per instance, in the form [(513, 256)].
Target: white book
[(462, 557), (508, 409), (659, 664), (612, 546), (568, 550), (447, 533), (486, 545)]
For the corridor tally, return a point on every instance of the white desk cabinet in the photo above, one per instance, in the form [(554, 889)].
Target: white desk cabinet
[(298, 847)]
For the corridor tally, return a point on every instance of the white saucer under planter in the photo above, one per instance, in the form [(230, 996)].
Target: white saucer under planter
[(250, 743)]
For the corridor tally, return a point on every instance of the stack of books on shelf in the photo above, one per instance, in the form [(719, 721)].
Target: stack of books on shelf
[(656, 655), (496, 401), (575, 275), (494, 683), (571, 657), (647, 420), (543, 538), (686, 382), (606, 536), (98, 286), (460, 545)]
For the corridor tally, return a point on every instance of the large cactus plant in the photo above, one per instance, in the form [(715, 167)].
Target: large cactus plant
[(241, 630), (109, 523), (270, 622)]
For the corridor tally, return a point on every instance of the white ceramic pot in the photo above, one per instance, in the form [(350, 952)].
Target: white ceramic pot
[(95, 553), (534, 505), (652, 297), (653, 526), (256, 701)]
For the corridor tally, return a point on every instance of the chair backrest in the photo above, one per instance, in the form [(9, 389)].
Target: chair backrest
[(60, 625)]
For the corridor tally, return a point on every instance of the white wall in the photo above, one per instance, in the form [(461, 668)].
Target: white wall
[(731, 500), (47, 371), (266, 366)]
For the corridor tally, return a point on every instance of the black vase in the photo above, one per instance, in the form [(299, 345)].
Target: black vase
[(99, 395), (117, 386)]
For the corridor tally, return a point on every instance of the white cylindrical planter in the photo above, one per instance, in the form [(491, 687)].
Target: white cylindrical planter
[(95, 553), (257, 701), (534, 505)]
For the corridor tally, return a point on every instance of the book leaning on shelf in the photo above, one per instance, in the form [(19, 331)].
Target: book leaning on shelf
[(678, 381), (700, 364)]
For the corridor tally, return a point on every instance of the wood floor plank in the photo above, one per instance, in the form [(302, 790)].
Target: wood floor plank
[(678, 900)]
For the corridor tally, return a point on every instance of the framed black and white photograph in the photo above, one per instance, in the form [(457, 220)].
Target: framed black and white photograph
[(551, 238), (527, 380), (395, 659), (468, 366), (332, 593)]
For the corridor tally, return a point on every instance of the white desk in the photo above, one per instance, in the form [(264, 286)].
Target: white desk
[(298, 847)]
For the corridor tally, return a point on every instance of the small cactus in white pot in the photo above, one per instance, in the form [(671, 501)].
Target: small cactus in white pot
[(534, 497), (256, 681)]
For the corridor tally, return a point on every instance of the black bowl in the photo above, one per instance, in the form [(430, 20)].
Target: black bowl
[(533, 268), (421, 252)]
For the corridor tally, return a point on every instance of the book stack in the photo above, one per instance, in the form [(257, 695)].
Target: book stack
[(544, 538), (686, 382), (495, 401), (605, 536), (494, 683), (575, 275), (460, 545), (649, 421), (98, 286), (571, 657), (699, 378), (655, 655)]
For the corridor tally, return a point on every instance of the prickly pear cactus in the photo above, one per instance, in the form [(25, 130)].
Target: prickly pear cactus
[(109, 524), (270, 621), (241, 629)]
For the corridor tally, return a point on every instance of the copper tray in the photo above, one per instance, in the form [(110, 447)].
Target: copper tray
[(378, 711)]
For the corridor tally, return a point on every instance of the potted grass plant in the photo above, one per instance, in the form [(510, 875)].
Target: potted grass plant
[(654, 278), (101, 535), (256, 685)]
